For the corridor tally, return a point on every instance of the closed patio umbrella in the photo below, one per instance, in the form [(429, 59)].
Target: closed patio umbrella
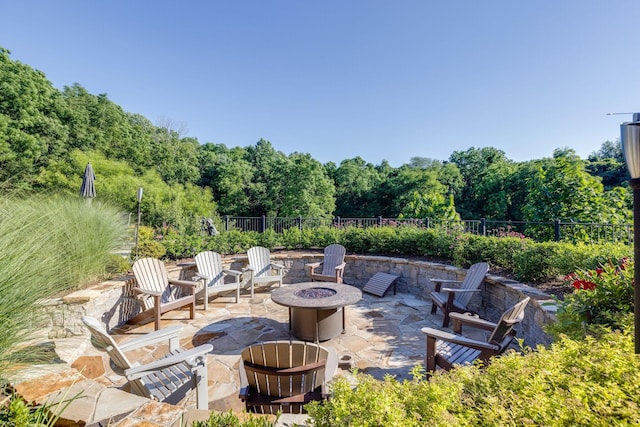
[(88, 188)]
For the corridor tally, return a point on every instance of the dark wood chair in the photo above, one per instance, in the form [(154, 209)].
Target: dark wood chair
[(455, 299), (332, 265), (285, 375), (446, 350)]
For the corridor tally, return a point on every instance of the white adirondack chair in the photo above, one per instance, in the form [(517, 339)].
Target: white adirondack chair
[(212, 274), (168, 379), (332, 265), (262, 272), (158, 293)]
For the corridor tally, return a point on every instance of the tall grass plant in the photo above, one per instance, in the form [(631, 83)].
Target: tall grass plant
[(47, 246)]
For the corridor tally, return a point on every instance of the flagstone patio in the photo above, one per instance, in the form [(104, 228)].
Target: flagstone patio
[(382, 337)]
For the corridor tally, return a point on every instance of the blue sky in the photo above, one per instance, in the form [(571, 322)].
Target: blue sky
[(338, 79)]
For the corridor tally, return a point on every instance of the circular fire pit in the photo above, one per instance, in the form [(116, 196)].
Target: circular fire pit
[(316, 309)]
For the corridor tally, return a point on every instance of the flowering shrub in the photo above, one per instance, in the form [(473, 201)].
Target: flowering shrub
[(602, 296), (505, 232)]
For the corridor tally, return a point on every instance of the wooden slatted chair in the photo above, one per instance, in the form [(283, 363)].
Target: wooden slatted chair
[(212, 274), (447, 350), (168, 379), (332, 265), (456, 299), (285, 375), (158, 293), (262, 272)]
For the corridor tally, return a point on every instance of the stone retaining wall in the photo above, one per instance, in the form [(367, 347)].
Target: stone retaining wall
[(113, 301)]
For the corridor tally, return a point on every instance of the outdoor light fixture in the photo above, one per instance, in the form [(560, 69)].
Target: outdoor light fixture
[(139, 214), (630, 140)]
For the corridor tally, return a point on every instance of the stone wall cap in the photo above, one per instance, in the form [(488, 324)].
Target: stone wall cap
[(81, 296)]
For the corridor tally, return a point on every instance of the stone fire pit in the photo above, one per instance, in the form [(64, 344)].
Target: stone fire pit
[(316, 309)]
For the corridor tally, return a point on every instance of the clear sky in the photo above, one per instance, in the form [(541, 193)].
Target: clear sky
[(379, 79)]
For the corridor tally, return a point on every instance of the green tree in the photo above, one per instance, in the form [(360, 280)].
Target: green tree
[(356, 183), (608, 163), (31, 129), (485, 172), (562, 189), (266, 187), (306, 189)]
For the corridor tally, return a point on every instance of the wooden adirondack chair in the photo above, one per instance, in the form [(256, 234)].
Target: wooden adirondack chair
[(210, 271), (447, 350), (285, 375), (261, 269), (456, 299), (158, 294), (332, 265), (168, 379)]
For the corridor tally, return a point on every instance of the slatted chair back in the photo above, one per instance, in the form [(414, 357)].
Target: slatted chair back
[(333, 257), (210, 265), (504, 327), (151, 275), (211, 271), (474, 278), (260, 261), (118, 361), (284, 375)]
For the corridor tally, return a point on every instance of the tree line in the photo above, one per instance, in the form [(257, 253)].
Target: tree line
[(48, 135)]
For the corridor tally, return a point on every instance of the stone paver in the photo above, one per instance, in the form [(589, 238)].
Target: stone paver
[(382, 337)]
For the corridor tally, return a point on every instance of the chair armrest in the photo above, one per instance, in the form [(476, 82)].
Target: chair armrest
[(459, 339), (232, 272), (341, 266), (152, 338), (277, 266), (199, 276), (185, 283), (440, 282), (147, 292), (460, 319), (313, 265), (191, 357), (460, 291)]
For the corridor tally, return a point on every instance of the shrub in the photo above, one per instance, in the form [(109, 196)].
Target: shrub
[(229, 419), (578, 383), (603, 297), (149, 244)]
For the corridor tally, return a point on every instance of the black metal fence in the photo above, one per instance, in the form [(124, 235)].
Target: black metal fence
[(539, 231)]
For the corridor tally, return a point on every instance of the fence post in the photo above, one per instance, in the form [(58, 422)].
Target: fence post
[(337, 222), (483, 226), (427, 222), (263, 224), (380, 221), (300, 223), (556, 229), (226, 223)]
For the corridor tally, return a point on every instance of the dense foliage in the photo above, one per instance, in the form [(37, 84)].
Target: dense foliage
[(527, 260), (579, 383), (48, 135)]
